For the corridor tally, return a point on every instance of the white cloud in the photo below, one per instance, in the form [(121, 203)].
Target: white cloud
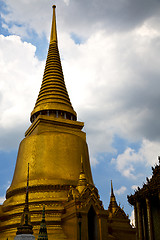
[(26, 16), (20, 75), (129, 159), (134, 187), (121, 190), (109, 87)]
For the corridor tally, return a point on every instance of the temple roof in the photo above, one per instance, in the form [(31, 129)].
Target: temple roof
[(150, 188), (53, 95)]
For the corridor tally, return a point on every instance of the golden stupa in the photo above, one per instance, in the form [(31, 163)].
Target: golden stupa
[(60, 175)]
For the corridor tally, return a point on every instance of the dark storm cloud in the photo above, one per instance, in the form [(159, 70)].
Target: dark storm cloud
[(113, 15), (80, 17), (144, 100)]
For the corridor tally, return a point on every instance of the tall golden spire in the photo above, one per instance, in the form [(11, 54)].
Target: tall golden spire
[(53, 97)]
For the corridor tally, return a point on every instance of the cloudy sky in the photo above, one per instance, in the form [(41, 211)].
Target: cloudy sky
[(110, 57)]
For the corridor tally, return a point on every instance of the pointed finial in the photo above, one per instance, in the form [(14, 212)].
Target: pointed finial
[(112, 193), (53, 37)]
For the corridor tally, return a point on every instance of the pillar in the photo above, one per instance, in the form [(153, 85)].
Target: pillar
[(139, 218), (144, 222), (149, 219), (136, 220), (99, 226)]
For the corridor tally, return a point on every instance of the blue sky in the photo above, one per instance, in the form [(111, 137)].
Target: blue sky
[(110, 59)]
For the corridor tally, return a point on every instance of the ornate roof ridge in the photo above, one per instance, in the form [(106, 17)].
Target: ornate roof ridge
[(149, 188)]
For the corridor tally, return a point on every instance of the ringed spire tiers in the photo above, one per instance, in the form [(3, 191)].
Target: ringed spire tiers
[(53, 98)]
